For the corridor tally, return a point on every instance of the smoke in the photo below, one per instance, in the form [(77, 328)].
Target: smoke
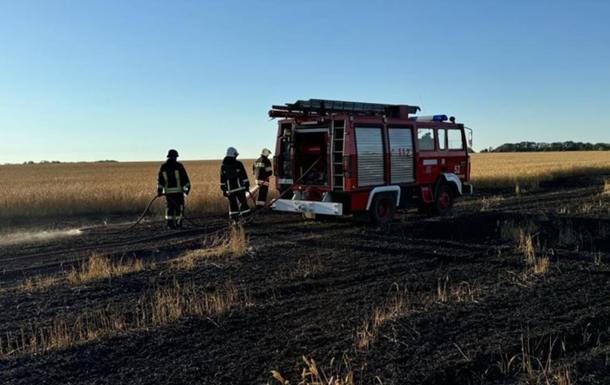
[(41, 236)]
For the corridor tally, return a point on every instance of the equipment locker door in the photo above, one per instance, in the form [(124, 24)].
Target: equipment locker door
[(370, 162)]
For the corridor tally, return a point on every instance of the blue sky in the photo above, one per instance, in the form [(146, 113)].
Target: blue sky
[(127, 80)]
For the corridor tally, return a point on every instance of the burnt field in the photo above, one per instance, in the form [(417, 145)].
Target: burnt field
[(511, 289)]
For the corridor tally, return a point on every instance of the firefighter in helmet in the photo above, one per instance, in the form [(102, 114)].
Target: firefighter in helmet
[(175, 185), (262, 171), (234, 183)]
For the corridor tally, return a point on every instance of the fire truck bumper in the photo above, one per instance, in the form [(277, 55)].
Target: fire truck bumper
[(296, 206), (467, 189)]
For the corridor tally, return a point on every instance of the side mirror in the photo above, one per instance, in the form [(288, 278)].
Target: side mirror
[(469, 136)]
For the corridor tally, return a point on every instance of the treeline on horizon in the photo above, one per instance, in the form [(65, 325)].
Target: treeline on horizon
[(59, 162), (547, 147)]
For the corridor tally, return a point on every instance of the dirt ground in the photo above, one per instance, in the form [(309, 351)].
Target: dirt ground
[(475, 313)]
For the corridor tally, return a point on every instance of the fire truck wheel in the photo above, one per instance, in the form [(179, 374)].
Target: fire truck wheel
[(383, 209), (444, 200)]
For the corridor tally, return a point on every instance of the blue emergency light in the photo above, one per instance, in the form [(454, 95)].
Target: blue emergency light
[(429, 118)]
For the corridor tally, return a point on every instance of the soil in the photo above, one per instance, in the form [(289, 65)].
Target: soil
[(314, 284)]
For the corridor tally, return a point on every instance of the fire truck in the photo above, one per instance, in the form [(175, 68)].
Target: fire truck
[(368, 159)]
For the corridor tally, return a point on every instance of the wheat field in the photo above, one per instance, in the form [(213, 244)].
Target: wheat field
[(126, 188)]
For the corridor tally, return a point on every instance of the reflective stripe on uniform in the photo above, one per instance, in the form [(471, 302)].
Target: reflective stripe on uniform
[(172, 190), (177, 175), (259, 165), (166, 181), (233, 212), (260, 203), (245, 211), (235, 190), (262, 183), (269, 169)]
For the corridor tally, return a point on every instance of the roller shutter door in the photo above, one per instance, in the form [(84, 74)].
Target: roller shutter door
[(369, 148), (402, 166)]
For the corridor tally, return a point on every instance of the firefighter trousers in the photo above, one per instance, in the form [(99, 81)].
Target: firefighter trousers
[(263, 190), (238, 204), (174, 210)]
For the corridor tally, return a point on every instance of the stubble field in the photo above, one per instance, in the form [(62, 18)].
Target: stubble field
[(513, 289)]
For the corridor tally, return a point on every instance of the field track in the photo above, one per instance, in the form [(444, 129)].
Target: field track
[(314, 284)]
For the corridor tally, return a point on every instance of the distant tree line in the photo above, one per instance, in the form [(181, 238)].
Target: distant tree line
[(544, 147), (59, 162)]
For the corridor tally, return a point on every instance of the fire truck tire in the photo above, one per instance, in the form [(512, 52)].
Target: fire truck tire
[(443, 205), (383, 209)]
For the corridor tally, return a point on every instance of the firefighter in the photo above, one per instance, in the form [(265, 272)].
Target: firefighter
[(262, 171), (175, 185), (234, 183)]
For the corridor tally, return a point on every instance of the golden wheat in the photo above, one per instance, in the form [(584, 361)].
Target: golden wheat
[(104, 188), (525, 171), (126, 188)]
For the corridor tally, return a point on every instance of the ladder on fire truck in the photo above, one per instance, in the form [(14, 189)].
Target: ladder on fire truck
[(338, 136), (323, 107)]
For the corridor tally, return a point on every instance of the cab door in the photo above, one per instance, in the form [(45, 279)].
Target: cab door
[(456, 155), (428, 160)]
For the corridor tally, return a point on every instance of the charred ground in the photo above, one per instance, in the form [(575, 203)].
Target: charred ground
[(474, 314)]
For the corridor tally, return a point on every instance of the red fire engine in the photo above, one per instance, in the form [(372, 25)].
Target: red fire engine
[(367, 159)]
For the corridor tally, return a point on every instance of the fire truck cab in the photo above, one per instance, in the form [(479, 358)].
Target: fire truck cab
[(367, 159)]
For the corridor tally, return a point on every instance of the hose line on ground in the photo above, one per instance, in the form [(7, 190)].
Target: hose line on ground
[(245, 221), (140, 218)]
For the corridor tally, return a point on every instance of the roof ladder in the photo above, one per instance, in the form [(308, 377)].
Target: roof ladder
[(338, 147)]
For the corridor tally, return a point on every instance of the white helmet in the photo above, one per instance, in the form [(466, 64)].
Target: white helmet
[(266, 152), (232, 152)]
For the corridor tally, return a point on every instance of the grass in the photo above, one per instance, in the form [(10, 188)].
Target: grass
[(126, 188), (397, 306), (536, 363), (232, 244), (95, 268), (98, 267), (338, 373), (171, 302), (160, 306), (40, 283), (537, 263)]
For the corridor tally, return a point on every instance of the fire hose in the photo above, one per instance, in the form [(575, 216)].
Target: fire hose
[(247, 220), (163, 236)]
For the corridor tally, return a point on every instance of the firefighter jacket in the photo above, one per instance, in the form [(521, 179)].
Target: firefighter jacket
[(173, 178), (233, 177), (262, 168)]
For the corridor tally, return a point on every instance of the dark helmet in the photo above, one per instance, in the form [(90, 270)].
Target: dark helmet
[(172, 154)]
